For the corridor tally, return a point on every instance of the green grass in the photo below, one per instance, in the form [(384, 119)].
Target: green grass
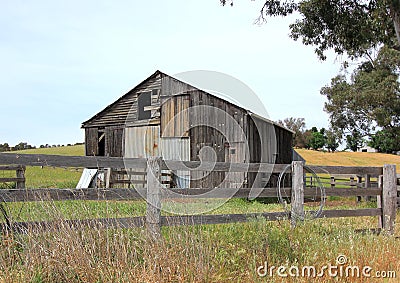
[(46, 177), (49, 177), (74, 150), (202, 253), (75, 209)]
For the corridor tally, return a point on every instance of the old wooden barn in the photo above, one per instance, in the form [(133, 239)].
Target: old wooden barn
[(163, 116)]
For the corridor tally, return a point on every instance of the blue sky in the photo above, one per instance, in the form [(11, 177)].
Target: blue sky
[(63, 61)]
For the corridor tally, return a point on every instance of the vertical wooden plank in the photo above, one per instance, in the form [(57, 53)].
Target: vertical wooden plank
[(352, 182), (367, 185), (332, 182), (297, 200), (359, 181), (21, 174), (91, 142), (379, 201), (153, 213), (108, 177), (186, 126), (389, 197), (171, 117), (177, 122)]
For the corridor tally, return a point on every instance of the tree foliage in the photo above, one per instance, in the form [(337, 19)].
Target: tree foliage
[(311, 138), (22, 146), (317, 139), (4, 147), (19, 146), (332, 140), (297, 125), (354, 27), (386, 141), (354, 141), (369, 101)]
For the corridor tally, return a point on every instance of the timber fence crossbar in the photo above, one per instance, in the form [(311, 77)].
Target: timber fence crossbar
[(385, 189), (19, 178)]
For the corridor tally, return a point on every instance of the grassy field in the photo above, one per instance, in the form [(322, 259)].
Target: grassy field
[(74, 150), (313, 157), (203, 253), (49, 177)]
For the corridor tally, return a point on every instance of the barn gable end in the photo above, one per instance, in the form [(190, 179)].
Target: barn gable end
[(117, 113), (144, 122)]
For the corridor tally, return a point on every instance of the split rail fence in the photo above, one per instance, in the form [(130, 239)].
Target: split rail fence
[(384, 188), (19, 179)]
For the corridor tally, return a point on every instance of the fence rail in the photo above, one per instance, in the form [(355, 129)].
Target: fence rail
[(27, 195), (19, 179), (140, 221), (141, 164), (154, 193)]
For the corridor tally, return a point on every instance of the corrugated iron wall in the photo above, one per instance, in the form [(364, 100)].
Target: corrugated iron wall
[(141, 142), (177, 149)]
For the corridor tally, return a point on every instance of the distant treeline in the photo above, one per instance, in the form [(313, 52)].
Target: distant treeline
[(24, 145)]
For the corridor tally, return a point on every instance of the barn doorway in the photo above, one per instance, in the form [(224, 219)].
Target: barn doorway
[(101, 144)]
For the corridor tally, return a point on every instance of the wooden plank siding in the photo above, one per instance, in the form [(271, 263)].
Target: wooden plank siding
[(214, 123), (114, 141), (268, 143), (125, 107), (175, 117), (91, 142), (231, 133)]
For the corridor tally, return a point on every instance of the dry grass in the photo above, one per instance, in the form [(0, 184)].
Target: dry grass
[(208, 253), (349, 158)]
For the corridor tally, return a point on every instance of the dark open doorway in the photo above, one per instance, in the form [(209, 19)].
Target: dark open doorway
[(101, 143)]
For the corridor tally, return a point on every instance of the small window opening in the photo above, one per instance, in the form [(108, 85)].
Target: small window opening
[(144, 100)]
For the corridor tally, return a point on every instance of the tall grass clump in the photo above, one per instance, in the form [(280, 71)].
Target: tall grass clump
[(204, 253)]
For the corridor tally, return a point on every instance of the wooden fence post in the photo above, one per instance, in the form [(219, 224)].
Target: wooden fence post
[(21, 174), (108, 176), (297, 200), (153, 213), (332, 182), (379, 201), (367, 185), (389, 198), (359, 185)]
